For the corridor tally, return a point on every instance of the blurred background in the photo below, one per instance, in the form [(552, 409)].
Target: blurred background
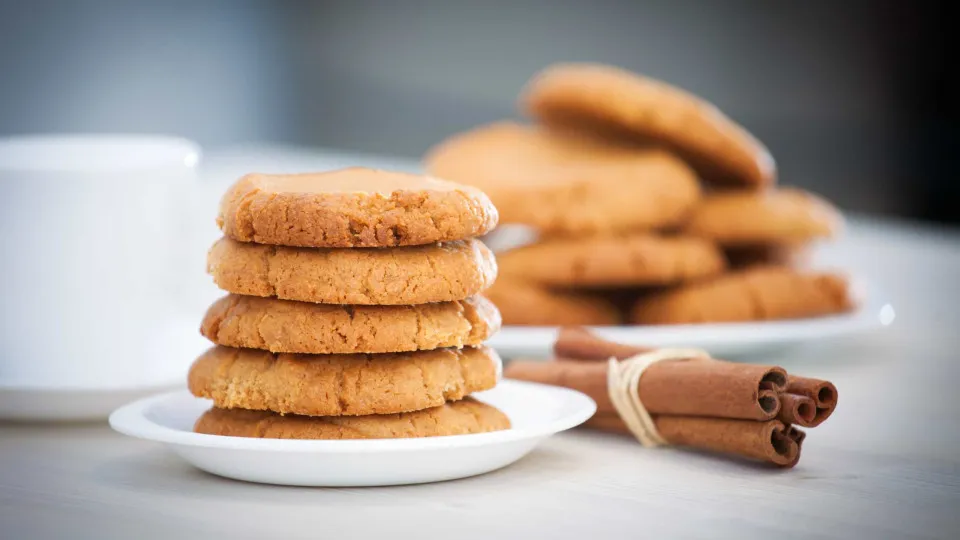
[(854, 99)]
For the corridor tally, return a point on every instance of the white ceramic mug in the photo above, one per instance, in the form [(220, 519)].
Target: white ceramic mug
[(94, 232)]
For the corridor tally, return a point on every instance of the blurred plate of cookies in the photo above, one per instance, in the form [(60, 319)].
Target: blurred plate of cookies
[(730, 340), (649, 215)]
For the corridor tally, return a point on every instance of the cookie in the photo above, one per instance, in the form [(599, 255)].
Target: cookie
[(359, 276), (354, 207), (341, 384), (457, 418), (527, 304), (755, 294), (612, 261), (559, 182), (611, 100), (781, 216), (795, 255), (302, 327)]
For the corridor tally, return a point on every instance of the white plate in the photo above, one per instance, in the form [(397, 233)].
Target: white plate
[(535, 411), (729, 341)]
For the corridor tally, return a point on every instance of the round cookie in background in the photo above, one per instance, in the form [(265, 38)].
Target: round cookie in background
[(302, 327), (754, 294), (779, 216), (793, 255), (360, 276), (341, 384), (526, 304), (356, 207), (637, 259), (560, 182), (610, 101), (456, 418)]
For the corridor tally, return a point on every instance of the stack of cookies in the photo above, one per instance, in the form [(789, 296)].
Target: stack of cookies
[(353, 309), (651, 207)]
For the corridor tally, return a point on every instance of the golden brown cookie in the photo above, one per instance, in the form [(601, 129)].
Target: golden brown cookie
[(559, 182), (354, 207), (457, 418), (781, 216), (359, 276), (613, 261), (755, 294), (794, 255), (341, 384), (302, 327), (528, 304), (612, 100)]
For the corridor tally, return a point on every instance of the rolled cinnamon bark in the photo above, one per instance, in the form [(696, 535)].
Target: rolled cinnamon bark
[(578, 343), (804, 401), (823, 393), (770, 441), (604, 421), (795, 434), (700, 387), (587, 377), (797, 409)]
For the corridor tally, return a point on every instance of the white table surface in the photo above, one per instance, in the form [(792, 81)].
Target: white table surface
[(886, 465)]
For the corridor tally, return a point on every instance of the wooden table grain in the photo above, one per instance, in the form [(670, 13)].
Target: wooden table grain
[(887, 464)]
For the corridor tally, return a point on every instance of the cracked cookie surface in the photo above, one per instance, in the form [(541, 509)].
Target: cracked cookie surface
[(354, 207), (341, 384), (457, 418), (612, 261), (755, 294), (302, 327), (360, 276)]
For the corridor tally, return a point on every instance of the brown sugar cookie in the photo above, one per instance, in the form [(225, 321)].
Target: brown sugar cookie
[(528, 304), (301, 327), (360, 276), (613, 261), (794, 255), (354, 207), (755, 294), (457, 418), (341, 384), (559, 182), (611, 100), (781, 216)]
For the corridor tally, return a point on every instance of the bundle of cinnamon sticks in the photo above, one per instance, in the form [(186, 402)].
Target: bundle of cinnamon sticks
[(743, 409)]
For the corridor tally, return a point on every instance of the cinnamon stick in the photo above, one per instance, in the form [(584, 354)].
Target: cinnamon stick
[(823, 394), (700, 387), (797, 409), (578, 343), (797, 435), (742, 409), (770, 441), (803, 401)]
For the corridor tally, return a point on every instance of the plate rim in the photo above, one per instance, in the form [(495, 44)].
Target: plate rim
[(131, 420), (866, 317)]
